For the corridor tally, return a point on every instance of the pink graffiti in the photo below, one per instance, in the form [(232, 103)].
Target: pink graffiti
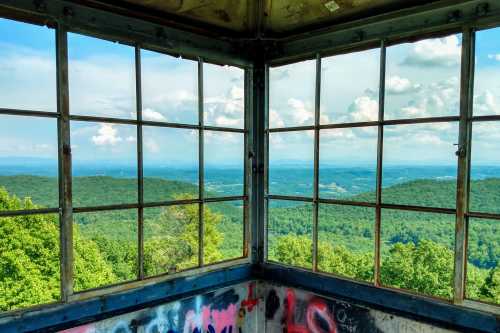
[(250, 302), (316, 308), (81, 329), (211, 319)]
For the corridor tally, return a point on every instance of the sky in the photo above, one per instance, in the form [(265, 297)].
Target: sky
[(102, 83), (422, 80)]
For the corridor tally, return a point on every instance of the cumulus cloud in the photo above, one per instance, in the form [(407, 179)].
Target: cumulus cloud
[(435, 52), (486, 104), (106, 135), (152, 115), (364, 108), (494, 56), (226, 109), (275, 119), (300, 113), (399, 85)]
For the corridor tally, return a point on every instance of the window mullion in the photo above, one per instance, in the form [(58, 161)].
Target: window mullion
[(463, 154), (380, 152), (316, 165), (140, 164), (201, 166), (64, 152)]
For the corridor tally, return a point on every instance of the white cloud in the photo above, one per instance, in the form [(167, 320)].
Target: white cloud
[(494, 56), (225, 121), (151, 145), (300, 113), (107, 135), (399, 85), (486, 104), (131, 139), (435, 52), (152, 115), (364, 108), (275, 119)]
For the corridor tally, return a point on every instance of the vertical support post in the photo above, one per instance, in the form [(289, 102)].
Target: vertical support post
[(259, 111), (317, 102), (140, 172), (463, 153), (201, 167), (64, 151), (380, 153)]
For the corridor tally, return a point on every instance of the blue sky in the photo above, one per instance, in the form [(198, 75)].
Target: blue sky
[(422, 80)]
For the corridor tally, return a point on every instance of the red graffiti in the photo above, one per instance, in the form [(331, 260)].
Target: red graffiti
[(250, 302), (316, 308)]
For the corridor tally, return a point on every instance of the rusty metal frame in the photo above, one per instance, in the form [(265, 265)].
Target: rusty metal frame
[(66, 209), (464, 119)]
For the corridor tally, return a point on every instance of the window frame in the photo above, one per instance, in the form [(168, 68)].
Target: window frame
[(463, 119), (65, 209)]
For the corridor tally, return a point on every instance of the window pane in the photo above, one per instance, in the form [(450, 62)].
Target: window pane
[(105, 248), (487, 73), (28, 160), (346, 241), (223, 163), (224, 96), (417, 252), (223, 231), (289, 233), (348, 163), (29, 258), (169, 88), (423, 78), (485, 168), (170, 239), (101, 77), (420, 165), (104, 163), (27, 67), (291, 163), (170, 163), (350, 101), (291, 94), (483, 272)]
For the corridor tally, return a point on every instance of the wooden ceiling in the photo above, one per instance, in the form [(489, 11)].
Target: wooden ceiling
[(266, 17)]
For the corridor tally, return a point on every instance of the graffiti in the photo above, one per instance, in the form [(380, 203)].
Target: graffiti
[(224, 311), (272, 304)]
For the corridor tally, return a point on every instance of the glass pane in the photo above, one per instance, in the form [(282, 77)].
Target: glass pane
[(170, 163), (224, 96), (224, 155), (423, 78), (28, 160), (27, 67), (487, 73), (170, 239), (417, 252), (483, 271), (101, 78), (104, 163), (291, 163), (223, 231), (420, 165), (105, 248), (485, 168), (348, 163), (350, 101), (289, 233), (291, 94), (29, 258), (346, 241), (169, 88)]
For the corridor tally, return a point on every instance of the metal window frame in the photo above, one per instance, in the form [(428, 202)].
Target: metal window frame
[(464, 120), (63, 117)]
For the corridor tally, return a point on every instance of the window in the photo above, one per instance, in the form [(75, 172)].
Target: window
[(361, 167), (158, 179)]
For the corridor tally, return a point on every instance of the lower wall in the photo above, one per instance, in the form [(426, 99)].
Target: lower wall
[(257, 307), (228, 310), (295, 311)]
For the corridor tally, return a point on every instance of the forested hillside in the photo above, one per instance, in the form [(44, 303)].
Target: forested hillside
[(417, 248)]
